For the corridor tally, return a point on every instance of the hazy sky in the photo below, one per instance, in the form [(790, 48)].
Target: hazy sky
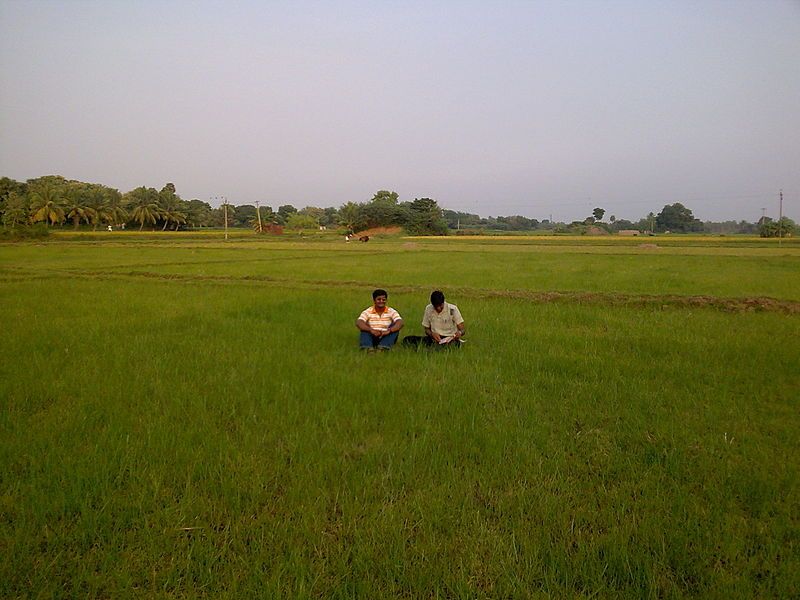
[(533, 108)]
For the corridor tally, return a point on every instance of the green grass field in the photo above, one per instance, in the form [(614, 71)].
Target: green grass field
[(186, 417)]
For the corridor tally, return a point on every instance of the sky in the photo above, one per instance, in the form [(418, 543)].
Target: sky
[(539, 108)]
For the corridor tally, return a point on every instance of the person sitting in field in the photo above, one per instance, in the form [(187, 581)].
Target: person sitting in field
[(379, 324), (443, 323)]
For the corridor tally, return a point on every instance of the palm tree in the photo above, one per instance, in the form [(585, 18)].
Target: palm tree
[(78, 212), (349, 215), (116, 214), (172, 216), (146, 213), (102, 214), (96, 199), (46, 205)]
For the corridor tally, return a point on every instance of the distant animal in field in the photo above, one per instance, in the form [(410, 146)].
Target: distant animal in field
[(364, 238)]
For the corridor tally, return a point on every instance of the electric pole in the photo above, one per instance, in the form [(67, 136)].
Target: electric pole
[(258, 214), (780, 218), (225, 207)]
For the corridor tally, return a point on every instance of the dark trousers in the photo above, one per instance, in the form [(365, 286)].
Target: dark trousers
[(426, 341)]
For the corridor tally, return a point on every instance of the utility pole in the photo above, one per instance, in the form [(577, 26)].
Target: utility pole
[(780, 218), (225, 208), (258, 214)]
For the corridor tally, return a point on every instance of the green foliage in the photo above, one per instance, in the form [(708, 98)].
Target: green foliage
[(283, 213), (598, 213), (382, 211), (23, 231), (349, 216), (15, 210), (198, 213), (300, 221), (146, 214), (9, 186), (784, 227), (623, 224), (425, 218), (46, 204), (677, 219)]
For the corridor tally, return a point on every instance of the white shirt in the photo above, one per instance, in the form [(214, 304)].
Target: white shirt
[(444, 323)]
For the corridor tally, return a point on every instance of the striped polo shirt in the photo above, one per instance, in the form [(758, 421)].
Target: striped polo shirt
[(380, 322)]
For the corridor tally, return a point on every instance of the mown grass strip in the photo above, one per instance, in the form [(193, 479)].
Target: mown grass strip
[(744, 304)]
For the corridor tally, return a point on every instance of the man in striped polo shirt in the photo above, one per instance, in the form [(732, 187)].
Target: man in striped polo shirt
[(379, 324)]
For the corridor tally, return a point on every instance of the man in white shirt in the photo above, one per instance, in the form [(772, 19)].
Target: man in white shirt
[(443, 322)]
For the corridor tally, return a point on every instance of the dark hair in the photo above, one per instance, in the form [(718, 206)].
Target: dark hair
[(437, 298), (377, 293)]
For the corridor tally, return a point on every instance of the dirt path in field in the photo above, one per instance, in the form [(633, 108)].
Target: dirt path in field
[(663, 301)]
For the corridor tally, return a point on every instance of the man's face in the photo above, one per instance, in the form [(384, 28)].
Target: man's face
[(380, 302), (439, 307)]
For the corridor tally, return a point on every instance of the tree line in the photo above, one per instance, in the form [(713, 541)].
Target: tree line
[(673, 218), (56, 201)]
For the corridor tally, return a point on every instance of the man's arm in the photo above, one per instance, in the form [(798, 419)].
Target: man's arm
[(431, 334), (397, 325), (461, 330), (364, 326)]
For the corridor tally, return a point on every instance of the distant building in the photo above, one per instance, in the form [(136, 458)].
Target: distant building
[(631, 232)]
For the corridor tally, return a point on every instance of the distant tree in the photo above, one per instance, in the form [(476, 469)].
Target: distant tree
[(117, 215), (217, 218), (16, 209), (349, 215), (172, 215), (620, 224), (55, 182), (8, 185), (677, 218), (383, 210), (46, 204), (77, 212), (598, 213), (245, 213), (612, 218), (301, 221), (94, 198), (387, 196), (75, 204), (784, 227), (284, 212), (198, 213), (312, 211), (646, 223), (141, 196), (518, 223), (268, 216), (425, 218), (330, 217), (146, 213), (457, 219)]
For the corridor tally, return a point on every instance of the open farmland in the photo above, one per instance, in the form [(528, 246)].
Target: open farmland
[(183, 416)]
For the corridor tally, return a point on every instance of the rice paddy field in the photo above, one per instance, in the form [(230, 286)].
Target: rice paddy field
[(188, 417)]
